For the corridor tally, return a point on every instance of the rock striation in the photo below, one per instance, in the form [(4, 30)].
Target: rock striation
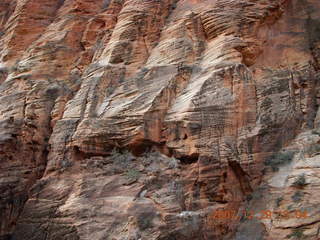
[(136, 119)]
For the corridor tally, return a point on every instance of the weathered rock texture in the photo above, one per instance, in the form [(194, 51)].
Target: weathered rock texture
[(136, 119)]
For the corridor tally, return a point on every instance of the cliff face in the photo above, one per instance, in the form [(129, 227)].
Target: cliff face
[(135, 119)]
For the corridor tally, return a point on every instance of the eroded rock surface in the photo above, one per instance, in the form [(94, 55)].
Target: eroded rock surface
[(135, 119)]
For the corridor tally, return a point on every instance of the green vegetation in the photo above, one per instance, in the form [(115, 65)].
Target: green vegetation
[(173, 163), (300, 181), (144, 220), (133, 174), (297, 197), (278, 201), (290, 207), (278, 159), (146, 159), (123, 159), (296, 234), (313, 149), (315, 132)]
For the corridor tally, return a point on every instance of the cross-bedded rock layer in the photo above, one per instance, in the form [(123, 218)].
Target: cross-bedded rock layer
[(200, 92)]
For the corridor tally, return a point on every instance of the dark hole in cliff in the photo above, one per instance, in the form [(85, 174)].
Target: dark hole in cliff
[(35, 142), (304, 85), (78, 155), (102, 24), (140, 148), (295, 86), (242, 176), (188, 159), (11, 120), (82, 47), (224, 175), (185, 137)]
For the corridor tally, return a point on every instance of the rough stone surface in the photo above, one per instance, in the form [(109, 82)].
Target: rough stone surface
[(135, 119)]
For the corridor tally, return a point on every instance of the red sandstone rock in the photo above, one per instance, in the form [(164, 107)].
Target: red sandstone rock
[(200, 92)]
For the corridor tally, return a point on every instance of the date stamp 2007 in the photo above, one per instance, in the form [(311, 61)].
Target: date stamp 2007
[(227, 214)]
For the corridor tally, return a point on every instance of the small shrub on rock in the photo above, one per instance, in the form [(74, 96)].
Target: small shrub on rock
[(278, 159), (278, 201), (133, 174), (296, 234), (297, 197), (300, 181), (313, 149), (144, 220), (123, 159)]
